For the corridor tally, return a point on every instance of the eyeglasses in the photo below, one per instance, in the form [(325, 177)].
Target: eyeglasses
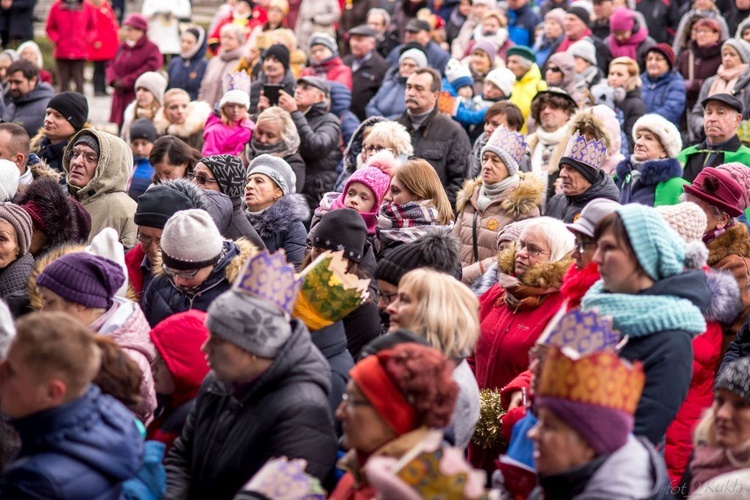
[(703, 31), (388, 298), (90, 158), (375, 149), (146, 241), (186, 275), (553, 69), (202, 179), (532, 250), (583, 243), (352, 403)]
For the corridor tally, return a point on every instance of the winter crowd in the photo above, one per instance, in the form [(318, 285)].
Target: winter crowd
[(359, 249)]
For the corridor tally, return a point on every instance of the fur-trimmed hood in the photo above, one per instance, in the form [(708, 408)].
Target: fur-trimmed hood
[(545, 275), (198, 113), (519, 201), (278, 218), (735, 241), (726, 300), (584, 119), (651, 172)]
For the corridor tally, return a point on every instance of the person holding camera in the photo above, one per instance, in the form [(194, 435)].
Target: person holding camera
[(273, 76)]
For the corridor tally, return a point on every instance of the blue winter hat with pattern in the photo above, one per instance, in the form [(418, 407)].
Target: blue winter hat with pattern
[(659, 249)]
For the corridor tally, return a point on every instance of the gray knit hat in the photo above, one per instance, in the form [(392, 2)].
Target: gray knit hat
[(250, 323), (277, 169), (735, 377), (191, 240), (741, 46), (325, 40), (21, 222)]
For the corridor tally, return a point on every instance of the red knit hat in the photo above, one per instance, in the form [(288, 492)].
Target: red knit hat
[(719, 189), (665, 50)]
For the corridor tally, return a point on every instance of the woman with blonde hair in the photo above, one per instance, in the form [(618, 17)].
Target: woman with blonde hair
[(276, 135), (181, 117), (444, 312), (624, 86)]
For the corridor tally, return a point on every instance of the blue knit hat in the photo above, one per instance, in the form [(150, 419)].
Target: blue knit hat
[(658, 247)]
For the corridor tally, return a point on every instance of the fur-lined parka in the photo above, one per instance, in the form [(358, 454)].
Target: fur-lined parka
[(192, 130), (730, 251), (478, 229), (282, 225)]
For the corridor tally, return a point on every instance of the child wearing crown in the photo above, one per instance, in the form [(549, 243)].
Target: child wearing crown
[(229, 128)]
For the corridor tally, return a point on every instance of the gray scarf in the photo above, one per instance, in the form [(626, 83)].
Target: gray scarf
[(490, 192)]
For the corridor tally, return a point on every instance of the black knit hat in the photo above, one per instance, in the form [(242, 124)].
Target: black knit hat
[(342, 229), (143, 128), (73, 106), (437, 250), (158, 204), (278, 52), (581, 14)]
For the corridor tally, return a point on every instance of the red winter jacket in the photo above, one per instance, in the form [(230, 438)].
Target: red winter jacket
[(128, 64), (133, 261), (104, 46), (257, 18), (71, 29), (333, 70)]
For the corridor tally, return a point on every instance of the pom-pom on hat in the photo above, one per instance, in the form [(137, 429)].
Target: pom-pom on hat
[(663, 129), (191, 240), (458, 75), (717, 188), (509, 146), (376, 175), (83, 278), (9, 177)]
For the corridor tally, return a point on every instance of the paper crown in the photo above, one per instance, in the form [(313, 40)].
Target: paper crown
[(269, 277), (328, 292), (583, 332), (512, 143), (600, 379), (591, 153), (236, 81)]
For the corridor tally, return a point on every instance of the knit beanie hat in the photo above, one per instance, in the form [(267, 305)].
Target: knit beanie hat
[(508, 146), (663, 129), (88, 140), (21, 222), (665, 50), (585, 50), (512, 232), (458, 75), (502, 78), (191, 240), (557, 15), (687, 218), (622, 19), (278, 52), (229, 172), (741, 46), (7, 329), (73, 106), (325, 40), (235, 96), (342, 229), (374, 178), (735, 378), (741, 174), (143, 128), (415, 55), (717, 188), (153, 82), (248, 322), (659, 249), (487, 46), (83, 278), (523, 52), (158, 204), (9, 177), (581, 13), (435, 250), (277, 169)]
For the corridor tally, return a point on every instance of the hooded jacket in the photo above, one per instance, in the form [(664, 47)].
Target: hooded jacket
[(162, 298), (566, 208), (388, 101), (29, 109), (104, 196), (524, 90), (192, 130), (221, 64), (187, 73), (478, 230), (230, 434), (282, 225), (83, 449), (51, 154), (657, 183), (665, 96)]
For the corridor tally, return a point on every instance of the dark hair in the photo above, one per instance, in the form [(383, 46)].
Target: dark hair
[(19, 139), (29, 69), (512, 113), (174, 151), (556, 101), (437, 82), (119, 376)]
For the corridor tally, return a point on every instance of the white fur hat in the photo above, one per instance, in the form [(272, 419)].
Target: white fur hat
[(665, 130), (502, 78)]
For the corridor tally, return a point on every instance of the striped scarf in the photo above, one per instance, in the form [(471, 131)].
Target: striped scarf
[(407, 222)]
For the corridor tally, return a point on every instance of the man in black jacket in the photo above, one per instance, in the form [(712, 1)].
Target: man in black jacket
[(434, 135), (368, 68)]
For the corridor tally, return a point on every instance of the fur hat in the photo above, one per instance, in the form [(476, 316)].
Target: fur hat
[(583, 49), (191, 240), (741, 47), (740, 173), (9, 176), (458, 75), (153, 82), (21, 222), (436, 250), (502, 78), (665, 131)]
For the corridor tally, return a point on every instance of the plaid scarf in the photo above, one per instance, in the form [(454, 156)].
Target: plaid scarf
[(407, 222)]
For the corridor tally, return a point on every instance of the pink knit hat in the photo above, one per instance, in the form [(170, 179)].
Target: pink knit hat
[(622, 19), (376, 175), (741, 174)]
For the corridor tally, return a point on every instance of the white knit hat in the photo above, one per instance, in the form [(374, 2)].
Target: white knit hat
[(584, 49), (9, 176), (153, 82), (235, 97), (191, 240), (687, 218), (665, 130), (502, 78)]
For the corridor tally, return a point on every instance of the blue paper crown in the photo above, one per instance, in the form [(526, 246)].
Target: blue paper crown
[(584, 332), (591, 153), (512, 143), (236, 81), (269, 277)]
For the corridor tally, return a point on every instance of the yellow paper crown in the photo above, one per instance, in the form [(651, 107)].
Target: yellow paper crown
[(600, 379), (269, 277)]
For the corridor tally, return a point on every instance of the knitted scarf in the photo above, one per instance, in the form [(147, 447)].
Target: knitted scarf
[(726, 79), (490, 192), (718, 231), (640, 315), (628, 48), (407, 222), (542, 153)]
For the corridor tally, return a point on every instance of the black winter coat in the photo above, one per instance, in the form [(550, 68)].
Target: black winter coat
[(566, 208), (444, 143), (230, 434), (633, 108), (738, 348), (18, 21), (362, 326), (331, 342), (366, 81)]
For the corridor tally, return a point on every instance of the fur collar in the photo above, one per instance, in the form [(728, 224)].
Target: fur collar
[(279, 217), (246, 250), (36, 141), (652, 172), (198, 113), (735, 241), (547, 275), (519, 201)]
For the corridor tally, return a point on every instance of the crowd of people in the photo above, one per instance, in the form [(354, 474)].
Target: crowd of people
[(377, 249)]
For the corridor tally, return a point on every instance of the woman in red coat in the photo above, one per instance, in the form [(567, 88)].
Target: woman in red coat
[(136, 55), (71, 26), (104, 46)]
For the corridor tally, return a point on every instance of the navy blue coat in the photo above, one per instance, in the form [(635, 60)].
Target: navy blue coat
[(666, 96), (84, 449), (187, 74)]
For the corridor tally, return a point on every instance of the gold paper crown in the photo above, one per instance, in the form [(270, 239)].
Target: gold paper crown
[(600, 379), (584, 332), (236, 81), (591, 153), (269, 277), (511, 143)]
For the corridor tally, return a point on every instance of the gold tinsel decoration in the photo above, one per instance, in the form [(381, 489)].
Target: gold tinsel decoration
[(487, 434)]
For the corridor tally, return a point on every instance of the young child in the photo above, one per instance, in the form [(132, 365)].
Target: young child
[(230, 128), (142, 138), (470, 112)]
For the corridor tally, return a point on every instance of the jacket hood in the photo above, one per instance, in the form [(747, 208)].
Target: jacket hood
[(726, 300), (94, 429), (38, 93), (689, 285), (582, 120), (198, 113), (355, 144), (651, 172), (734, 241), (112, 172), (199, 51), (279, 217), (521, 200)]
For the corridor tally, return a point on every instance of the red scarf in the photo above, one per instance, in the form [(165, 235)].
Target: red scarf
[(567, 42)]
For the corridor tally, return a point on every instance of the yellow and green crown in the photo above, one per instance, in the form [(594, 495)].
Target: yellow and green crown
[(600, 379), (269, 277), (584, 332), (592, 153)]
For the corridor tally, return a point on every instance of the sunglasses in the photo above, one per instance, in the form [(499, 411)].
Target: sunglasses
[(553, 69), (202, 179)]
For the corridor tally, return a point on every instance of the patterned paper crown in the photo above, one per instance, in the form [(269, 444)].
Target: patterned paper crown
[(269, 277), (584, 332), (591, 153), (236, 81), (512, 143), (600, 379)]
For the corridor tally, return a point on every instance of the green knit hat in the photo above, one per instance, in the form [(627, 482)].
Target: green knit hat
[(520, 50)]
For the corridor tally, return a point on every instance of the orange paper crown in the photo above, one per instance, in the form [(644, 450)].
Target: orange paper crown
[(600, 379)]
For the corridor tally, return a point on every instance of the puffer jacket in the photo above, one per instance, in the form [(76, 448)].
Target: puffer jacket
[(478, 230), (388, 101), (282, 225), (104, 197), (567, 208), (162, 299), (192, 130), (187, 74), (524, 91), (664, 96), (656, 183), (224, 63), (83, 449), (220, 138), (332, 69), (125, 323), (230, 433)]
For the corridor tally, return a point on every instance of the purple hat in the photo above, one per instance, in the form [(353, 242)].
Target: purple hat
[(83, 278)]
